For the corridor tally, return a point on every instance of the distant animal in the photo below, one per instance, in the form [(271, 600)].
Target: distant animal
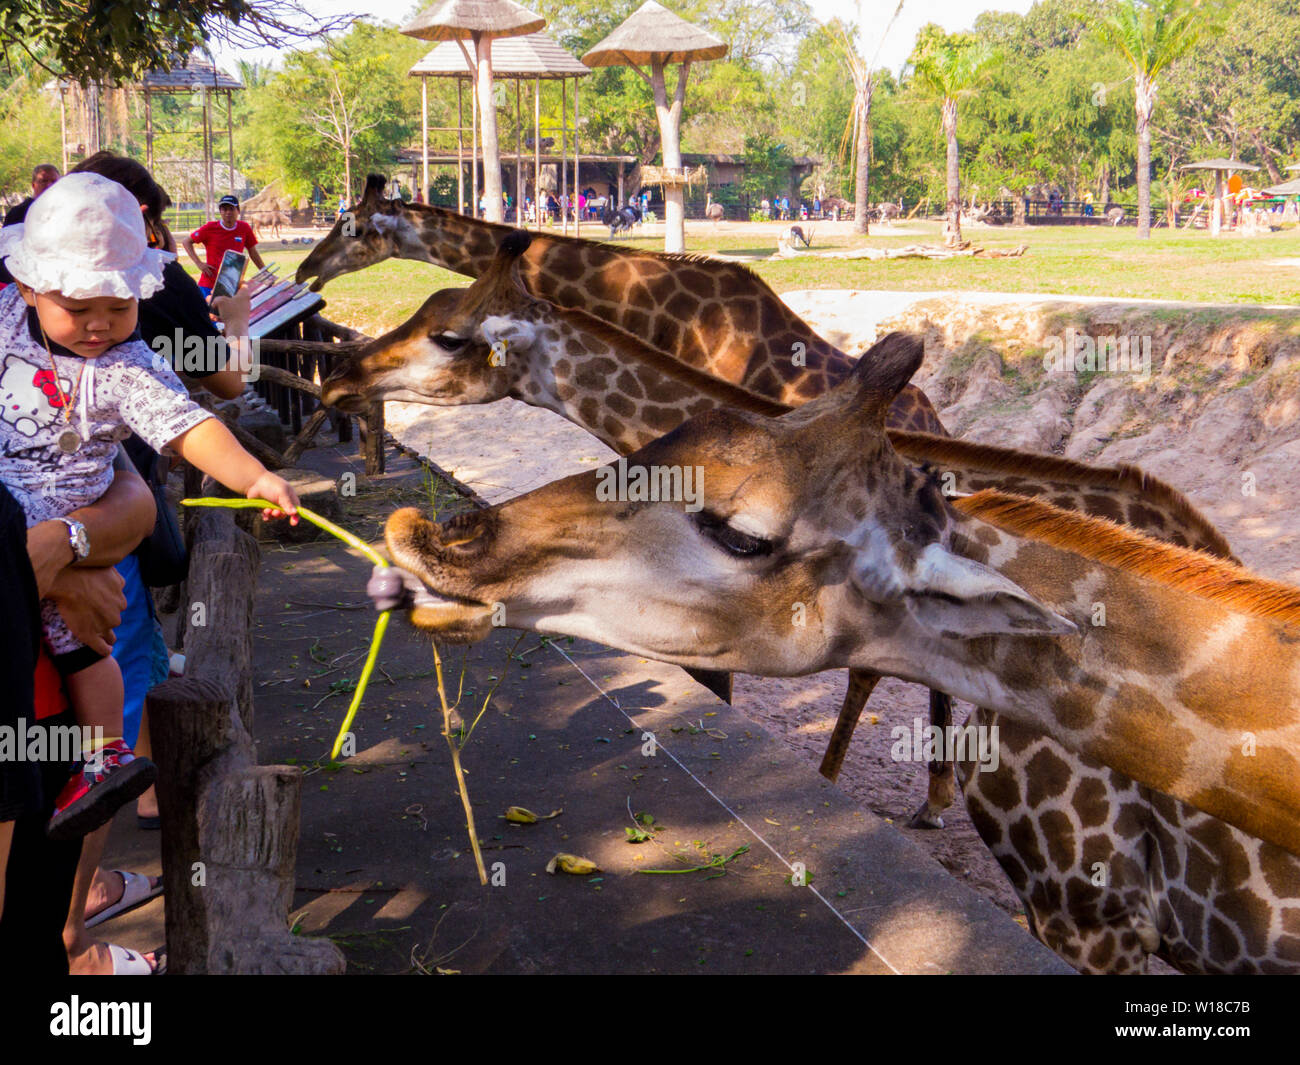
[(624, 218), (1115, 215), (715, 212), (272, 219), (795, 233), (887, 212)]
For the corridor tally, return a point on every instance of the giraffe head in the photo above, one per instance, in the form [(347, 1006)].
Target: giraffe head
[(455, 349), (372, 230), (738, 541), (494, 339)]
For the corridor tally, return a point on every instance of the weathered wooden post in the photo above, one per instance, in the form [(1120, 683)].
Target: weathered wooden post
[(230, 826)]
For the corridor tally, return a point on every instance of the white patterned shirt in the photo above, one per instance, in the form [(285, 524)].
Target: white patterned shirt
[(127, 388)]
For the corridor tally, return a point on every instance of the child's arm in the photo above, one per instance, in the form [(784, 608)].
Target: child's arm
[(212, 448)]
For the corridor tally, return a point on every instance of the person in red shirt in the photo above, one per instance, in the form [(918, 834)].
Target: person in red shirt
[(217, 238)]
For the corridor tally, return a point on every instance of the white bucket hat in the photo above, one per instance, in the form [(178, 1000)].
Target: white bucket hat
[(84, 237)]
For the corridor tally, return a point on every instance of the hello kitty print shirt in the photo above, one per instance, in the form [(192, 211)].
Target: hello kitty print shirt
[(127, 388)]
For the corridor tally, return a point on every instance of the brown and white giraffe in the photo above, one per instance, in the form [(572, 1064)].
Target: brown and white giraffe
[(495, 340), (1190, 687), (719, 317), (572, 364)]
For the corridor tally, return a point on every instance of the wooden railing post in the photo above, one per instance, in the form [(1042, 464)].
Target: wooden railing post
[(229, 826)]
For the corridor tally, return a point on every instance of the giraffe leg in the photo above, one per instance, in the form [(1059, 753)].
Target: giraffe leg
[(942, 787), (861, 683)]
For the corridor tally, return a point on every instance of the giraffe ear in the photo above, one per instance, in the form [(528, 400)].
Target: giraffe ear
[(959, 598), (514, 334)]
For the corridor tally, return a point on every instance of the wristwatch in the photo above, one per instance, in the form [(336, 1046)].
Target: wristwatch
[(77, 538)]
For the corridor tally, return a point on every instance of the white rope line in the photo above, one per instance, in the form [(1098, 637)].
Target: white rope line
[(722, 802)]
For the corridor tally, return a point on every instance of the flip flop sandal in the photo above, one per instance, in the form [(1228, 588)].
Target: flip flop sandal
[(137, 889), (133, 963)]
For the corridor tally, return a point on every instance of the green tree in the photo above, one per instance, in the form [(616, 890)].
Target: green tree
[(335, 112), (948, 68), (119, 40), (1151, 35), (863, 72)]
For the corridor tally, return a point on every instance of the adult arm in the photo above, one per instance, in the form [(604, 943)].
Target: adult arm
[(115, 524), (233, 311), (204, 269)]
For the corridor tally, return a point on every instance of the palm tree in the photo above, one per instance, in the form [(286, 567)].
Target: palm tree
[(1151, 35), (950, 68), (864, 85)]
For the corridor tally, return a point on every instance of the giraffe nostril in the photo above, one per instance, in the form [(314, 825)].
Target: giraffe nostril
[(465, 534)]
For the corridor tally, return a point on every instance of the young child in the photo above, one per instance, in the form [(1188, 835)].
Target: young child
[(75, 379)]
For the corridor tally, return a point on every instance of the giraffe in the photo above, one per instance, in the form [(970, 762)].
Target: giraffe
[(784, 358), (989, 596), (719, 317), (494, 340), (437, 336), (605, 380)]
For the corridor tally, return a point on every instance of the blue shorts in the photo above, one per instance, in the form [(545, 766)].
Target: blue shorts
[(140, 651)]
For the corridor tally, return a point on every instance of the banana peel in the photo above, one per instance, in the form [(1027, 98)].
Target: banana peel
[(571, 863), (518, 815)]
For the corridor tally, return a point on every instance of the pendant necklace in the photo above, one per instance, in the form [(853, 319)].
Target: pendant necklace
[(69, 440)]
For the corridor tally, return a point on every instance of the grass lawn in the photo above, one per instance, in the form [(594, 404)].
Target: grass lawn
[(1091, 261)]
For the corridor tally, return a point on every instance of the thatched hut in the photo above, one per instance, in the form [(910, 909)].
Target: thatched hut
[(654, 35), (479, 21)]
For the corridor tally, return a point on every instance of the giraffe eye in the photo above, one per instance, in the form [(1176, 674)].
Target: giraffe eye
[(733, 541), (450, 342)]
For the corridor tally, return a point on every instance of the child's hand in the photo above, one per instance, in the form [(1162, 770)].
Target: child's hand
[(277, 490)]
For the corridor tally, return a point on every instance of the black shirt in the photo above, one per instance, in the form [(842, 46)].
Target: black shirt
[(178, 305)]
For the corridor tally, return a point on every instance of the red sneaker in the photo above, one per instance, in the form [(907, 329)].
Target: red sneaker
[(109, 779)]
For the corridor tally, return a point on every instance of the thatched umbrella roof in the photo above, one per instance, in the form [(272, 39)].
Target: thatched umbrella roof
[(1220, 164), (1287, 188), (479, 21), (652, 32), (534, 55), (462, 19)]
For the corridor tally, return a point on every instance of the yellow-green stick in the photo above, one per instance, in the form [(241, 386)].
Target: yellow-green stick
[(381, 625)]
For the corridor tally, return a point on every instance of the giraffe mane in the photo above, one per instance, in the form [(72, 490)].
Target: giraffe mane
[(1116, 545), (1124, 477), (638, 351)]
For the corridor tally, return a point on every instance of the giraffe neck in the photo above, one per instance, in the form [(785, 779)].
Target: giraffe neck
[(1174, 687), (623, 392), (716, 316)]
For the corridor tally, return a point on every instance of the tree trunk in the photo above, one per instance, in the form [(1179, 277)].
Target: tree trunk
[(952, 227), (861, 183), (491, 146), (1145, 102), (670, 118), (1266, 157)]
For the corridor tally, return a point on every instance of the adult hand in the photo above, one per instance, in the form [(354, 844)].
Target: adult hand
[(50, 552), (91, 602), (233, 312)]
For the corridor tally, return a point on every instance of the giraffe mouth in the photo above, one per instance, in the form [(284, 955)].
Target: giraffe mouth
[(451, 619)]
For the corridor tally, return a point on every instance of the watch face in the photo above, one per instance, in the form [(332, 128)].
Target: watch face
[(78, 539)]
